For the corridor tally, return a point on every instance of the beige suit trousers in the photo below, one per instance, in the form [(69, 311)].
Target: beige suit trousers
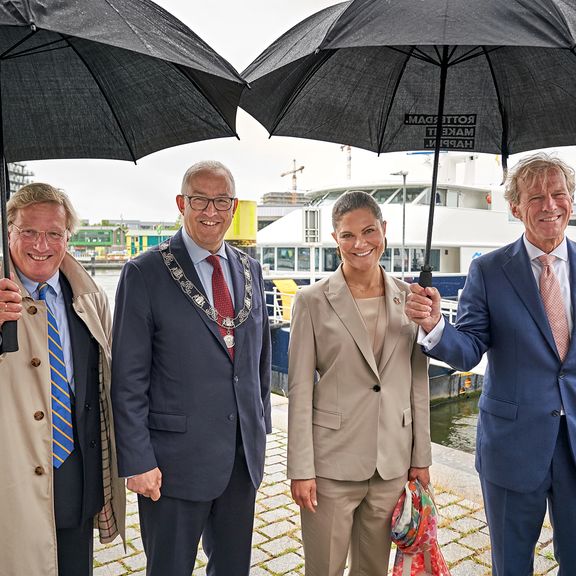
[(351, 516)]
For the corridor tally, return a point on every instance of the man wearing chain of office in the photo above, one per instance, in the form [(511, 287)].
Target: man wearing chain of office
[(191, 385)]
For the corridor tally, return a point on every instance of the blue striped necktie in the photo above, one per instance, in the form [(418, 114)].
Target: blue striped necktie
[(62, 434)]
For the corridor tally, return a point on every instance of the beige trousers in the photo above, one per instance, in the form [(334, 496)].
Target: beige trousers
[(351, 516)]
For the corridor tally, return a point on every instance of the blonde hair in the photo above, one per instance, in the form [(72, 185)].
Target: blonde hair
[(38, 193), (532, 167)]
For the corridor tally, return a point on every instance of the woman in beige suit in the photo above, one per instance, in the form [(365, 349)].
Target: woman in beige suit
[(359, 402)]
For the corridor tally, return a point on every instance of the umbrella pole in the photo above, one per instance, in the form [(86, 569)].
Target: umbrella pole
[(9, 329), (425, 279)]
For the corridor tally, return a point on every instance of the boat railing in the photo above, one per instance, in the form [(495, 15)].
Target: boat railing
[(279, 305)]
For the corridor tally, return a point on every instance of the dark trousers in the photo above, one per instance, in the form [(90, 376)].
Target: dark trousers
[(515, 519), (171, 529)]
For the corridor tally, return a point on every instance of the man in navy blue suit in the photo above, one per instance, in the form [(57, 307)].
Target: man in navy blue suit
[(191, 385), (518, 307)]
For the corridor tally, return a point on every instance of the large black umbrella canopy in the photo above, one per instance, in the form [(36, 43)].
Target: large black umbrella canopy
[(388, 75), (115, 79)]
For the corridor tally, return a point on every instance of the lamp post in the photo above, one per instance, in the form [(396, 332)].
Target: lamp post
[(403, 173)]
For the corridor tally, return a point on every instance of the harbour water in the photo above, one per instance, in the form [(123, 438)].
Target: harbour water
[(453, 423)]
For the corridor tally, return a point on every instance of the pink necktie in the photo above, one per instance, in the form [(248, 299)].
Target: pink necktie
[(554, 304), (222, 301)]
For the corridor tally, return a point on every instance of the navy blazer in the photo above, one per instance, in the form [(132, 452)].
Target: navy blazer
[(526, 384), (178, 398)]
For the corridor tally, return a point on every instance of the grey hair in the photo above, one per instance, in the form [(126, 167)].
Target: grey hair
[(354, 200), (38, 193), (532, 167), (207, 166)]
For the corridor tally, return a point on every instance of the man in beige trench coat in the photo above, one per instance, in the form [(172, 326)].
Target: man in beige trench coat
[(48, 510)]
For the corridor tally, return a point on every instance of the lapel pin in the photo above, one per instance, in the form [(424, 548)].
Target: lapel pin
[(396, 300)]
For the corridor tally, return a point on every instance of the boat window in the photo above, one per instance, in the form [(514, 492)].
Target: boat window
[(268, 258), (303, 258), (285, 259), (398, 259), (386, 259), (417, 259), (382, 195), (412, 193), (330, 259)]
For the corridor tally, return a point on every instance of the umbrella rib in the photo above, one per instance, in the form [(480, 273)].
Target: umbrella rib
[(325, 55), (48, 47), (503, 116), (184, 72), (105, 96), (415, 52), (27, 37), (387, 115)]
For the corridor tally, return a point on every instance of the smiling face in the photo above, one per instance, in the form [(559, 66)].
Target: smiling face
[(545, 206), (38, 259), (207, 227), (360, 237)]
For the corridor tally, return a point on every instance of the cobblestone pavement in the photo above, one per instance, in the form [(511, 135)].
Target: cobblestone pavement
[(277, 546)]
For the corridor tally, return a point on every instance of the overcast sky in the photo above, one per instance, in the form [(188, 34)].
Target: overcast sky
[(239, 31)]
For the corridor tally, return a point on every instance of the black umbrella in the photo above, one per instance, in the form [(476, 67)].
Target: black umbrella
[(494, 76), (113, 79)]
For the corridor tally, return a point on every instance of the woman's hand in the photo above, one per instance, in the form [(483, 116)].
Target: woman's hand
[(420, 474), (304, 493)]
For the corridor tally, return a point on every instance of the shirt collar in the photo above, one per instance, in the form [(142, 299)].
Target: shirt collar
[(561, 251), (197, 253), (31, 285)]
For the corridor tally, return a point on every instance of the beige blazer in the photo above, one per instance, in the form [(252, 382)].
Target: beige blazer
[(347, 416)]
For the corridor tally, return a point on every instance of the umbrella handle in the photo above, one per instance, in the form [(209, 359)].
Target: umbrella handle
[(10, 336), (425, 279)]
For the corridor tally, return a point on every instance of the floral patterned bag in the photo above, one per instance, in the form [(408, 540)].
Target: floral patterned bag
[(414, 525)]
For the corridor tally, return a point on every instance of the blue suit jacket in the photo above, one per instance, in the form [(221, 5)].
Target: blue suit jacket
[(176, 394), (500, 312)]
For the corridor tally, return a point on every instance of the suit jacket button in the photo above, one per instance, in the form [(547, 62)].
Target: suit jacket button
[(38, 415), (32, 310), (35, 362), (87, 406), (39, 470), (231, 417), (555, 413), (376, 388), (93, 444)]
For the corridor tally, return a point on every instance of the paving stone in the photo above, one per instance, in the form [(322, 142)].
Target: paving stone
[(258, 538), (446, 535), (276, 501), (132, 532), (258, 556), (546, 535), (276, 459), (275, 469), (469, 568), (275, 515), (466, 524), (136, 562), (543, 565), (277, 529), (200, 571), (284, 563), (453, 511), (281, 545), (470, 505), (114, 569), (277, 477), (480, 515), (136, 545), (115, 552), (454, 552), (259, 571), (485, 557), (445, 498), (476, 540), (273, 489)]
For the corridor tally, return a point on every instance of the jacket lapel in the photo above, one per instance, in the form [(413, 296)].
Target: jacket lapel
[(518, 270), (341, 300), (237, 273), (572, 263), (394, 299), (179, 251)]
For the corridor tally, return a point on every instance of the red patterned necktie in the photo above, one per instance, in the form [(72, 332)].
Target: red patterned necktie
[(222, 302), (554, 304)]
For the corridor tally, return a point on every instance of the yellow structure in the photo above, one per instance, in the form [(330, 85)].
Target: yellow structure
[(286, 288), (244, 226)]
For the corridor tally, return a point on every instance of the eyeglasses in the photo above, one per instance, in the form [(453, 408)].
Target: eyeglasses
[(31, 235), (221, 203)]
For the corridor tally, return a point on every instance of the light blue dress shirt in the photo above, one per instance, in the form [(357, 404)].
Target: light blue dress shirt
[(204, 269), (55, 299)]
